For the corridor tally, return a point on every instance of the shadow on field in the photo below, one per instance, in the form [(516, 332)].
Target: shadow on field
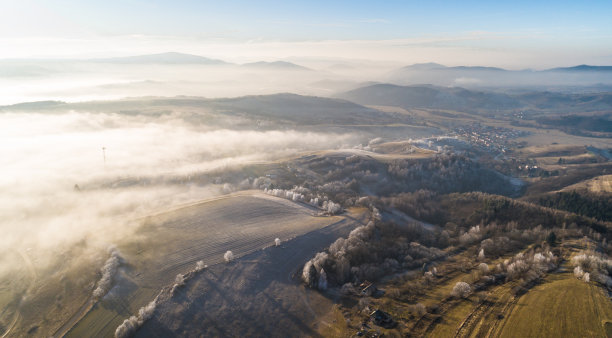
[(257, 295)]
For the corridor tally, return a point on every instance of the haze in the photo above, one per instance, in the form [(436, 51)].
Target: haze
[(311, 168)]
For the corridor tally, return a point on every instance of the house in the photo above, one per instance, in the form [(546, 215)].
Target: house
[(368, 289), (381, 318)]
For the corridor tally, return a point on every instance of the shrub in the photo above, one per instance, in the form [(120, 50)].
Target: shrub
[(461, 289), (228, 256)]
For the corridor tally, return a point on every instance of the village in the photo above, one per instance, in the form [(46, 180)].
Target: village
[(496, 140)]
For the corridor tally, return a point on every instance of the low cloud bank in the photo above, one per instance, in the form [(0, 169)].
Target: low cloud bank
[(70, 177)]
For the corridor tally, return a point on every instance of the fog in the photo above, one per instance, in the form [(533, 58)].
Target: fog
[(84, 80), (565, 79), (172, 74), (60, 187)]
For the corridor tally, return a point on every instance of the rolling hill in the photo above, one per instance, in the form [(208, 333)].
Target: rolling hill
[(277, 108), (467, 100), (483, 77), (429, 97)]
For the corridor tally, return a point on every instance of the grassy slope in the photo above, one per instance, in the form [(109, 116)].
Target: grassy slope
[(257, 295), (601, 184), (561, 307), (597, 184), (172, 242)]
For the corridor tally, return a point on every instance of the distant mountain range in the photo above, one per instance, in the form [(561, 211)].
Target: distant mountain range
[(437, 66), (163, 58), (350, 106), (278, 108), (582, 68), (173, 58), (476, 76), (169, 58), (466, 100), (328, 79), (276, 65)]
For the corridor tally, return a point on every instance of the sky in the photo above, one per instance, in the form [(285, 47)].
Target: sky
[(514, 34)]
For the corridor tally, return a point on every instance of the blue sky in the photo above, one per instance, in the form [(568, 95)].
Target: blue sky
[(511, 25), (309, 19)]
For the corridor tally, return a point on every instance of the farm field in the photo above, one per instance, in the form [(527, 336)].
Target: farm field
[(171, 243), (557, 305), (258, 294), (599, 184), (561, 306)]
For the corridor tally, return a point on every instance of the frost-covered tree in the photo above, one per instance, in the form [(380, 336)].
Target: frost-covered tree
[(461, 289), (483, 267), (322, 285), (228, 256), (481, 255), (200, 266)]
